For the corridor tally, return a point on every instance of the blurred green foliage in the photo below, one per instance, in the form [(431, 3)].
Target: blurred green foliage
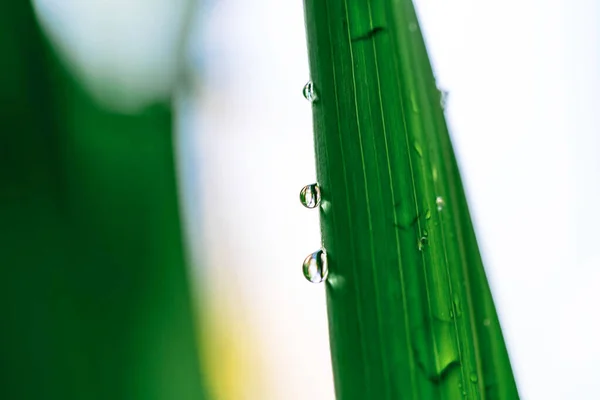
[(94, 296)]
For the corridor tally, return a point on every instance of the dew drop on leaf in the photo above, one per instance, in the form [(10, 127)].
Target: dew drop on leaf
[(486, 322), (439, 201), (457, 306), (309, 92), (443, 98), (437, 355), (413, 102), (418, 148), (473, 377), (423, 242), (314, 266), (310, 196)]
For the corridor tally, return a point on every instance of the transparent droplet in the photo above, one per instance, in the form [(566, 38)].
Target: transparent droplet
[(309, 92), (428, 214), (413, 102), (310, 196), (405, 217), (423, 242), (412, 26), (437, 361), (443, 98), (439, 201), (486, 322), (457, 306), (315, 266), (418, 148), (473, 377)]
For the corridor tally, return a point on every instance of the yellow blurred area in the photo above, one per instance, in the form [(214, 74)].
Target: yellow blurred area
[(230, 352)]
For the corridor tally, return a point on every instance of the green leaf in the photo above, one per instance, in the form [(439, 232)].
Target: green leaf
[(94, 298), (411, 315)]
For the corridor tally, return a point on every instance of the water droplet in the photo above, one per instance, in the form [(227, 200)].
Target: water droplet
[(309, 92), (486, 322), (434, 173), (436, 350), (428, 214), (473, 377), (457, 306), (405, 217), (412, 26), (314, 266), (443, 98), (310, 196), (418, 149), (423, 242), (439, 201), (413, 102)]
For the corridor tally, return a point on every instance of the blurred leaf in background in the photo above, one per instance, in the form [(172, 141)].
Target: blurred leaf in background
[(94, 295)]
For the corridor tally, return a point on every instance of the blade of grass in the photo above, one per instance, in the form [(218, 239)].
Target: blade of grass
[(410, 311)]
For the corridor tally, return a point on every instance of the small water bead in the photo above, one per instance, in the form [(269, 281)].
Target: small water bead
[(310, 196), (418, 148), (413, 102), (437, 361), (443, 98), (309, 92), (428, 214), (473, 377), (423, 242), (457, 306), (486, 322), (314, 266), (439, 201), (412, 26)]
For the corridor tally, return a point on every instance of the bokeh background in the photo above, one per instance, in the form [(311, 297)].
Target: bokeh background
[(522, 81)]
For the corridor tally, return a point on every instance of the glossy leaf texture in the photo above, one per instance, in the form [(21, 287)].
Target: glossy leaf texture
[(411, 315)]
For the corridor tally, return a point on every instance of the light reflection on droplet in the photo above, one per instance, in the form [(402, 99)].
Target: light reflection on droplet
[(423, 241), (310, 196), (439, 201), (314, 266), (310, 92), (443, 98)]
